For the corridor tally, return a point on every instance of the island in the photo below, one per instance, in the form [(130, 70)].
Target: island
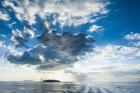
[(51, 81)]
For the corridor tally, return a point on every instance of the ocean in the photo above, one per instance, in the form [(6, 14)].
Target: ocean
[(36, 87)]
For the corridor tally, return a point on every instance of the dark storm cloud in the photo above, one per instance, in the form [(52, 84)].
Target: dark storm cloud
[(55, 49), (68, 42)]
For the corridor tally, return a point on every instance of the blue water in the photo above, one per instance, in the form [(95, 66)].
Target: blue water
[(18, 87)]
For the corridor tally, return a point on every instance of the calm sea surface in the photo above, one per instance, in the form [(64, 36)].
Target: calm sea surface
[(16, 87)]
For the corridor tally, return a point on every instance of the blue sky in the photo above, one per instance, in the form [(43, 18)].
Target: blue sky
[(59, 34), (123, 18)]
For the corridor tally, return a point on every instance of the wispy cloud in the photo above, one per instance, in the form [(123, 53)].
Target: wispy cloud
[(94, 28), (108, 62), (4, 16), (132, 36), (134, 39)]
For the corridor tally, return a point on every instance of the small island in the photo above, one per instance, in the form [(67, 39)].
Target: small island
[(51, 81)]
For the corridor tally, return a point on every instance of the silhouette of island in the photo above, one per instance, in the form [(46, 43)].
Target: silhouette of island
[(51, 81)]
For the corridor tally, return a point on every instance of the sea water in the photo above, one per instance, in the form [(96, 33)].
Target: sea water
[(37, 87)]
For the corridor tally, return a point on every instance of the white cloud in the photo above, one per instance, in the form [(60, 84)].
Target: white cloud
[(137, 44), (108, 62), (4, 16), (29, 32), (134, 39), (17, 72), (133, 36), (16, 32), (20, 38), (74, 12), (16, 36), (70, 12), (94, 28), (6, 50), (42, 58), (2, 50)]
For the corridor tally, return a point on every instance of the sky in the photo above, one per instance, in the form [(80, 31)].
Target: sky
[(81, 40)]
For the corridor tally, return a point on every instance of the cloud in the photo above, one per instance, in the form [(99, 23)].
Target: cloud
[(67, 11), (57, 27), (54, 50), (33, 17), (35, 20), (4, 16), (134, 39), (109, 61), (18, 72), (18, 38), (106, 73), (21, 38), (132, 36), (2, 37), (30, 33), (94, 28), (6, 50)]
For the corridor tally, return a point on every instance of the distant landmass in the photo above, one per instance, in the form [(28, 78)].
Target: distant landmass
[(51, 81)]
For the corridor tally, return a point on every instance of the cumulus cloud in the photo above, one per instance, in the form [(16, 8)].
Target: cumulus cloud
[(134, 39), (55, 49), (132, 36), (18, 38), (56, 27), (67, 11), (32, 17)]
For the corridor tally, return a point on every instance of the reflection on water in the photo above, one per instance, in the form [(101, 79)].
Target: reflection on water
[(7, 87)]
